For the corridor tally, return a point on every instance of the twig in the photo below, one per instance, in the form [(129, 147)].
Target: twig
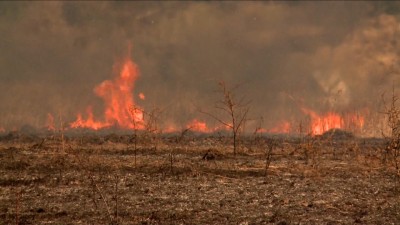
[(94, 184), (116, 199), (17, 206)]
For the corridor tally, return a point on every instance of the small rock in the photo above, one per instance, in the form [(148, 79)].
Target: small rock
[(40, 210)]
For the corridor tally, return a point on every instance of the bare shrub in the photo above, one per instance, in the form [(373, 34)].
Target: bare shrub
[(234, 109), (133, 110), (151, 126), (256, 139), (182, 134), (62, 128), (271, 145), (307, 146), (392, 150), (86, 165)]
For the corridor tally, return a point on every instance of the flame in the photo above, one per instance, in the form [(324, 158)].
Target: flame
[(355, 119), (121, 110), (198, 126), (118, 100), (50, 122), (2, 130), (170, 128), (89, 122), (261, 131), (331, 120), (326, 122), (201, 126), (281, 128)]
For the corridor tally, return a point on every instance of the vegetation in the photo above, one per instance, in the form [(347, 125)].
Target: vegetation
[(233, 108), (392, 150), (334, 178), (100, 184)]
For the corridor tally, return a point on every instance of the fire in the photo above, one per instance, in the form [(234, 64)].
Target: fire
[(198, 126), (89, 122), (322, 123), (50, 122), (121, 110), (355, 119), (118, 100), (261, 131), (282, 127), (170, 128), (326, 122), (2, 130)]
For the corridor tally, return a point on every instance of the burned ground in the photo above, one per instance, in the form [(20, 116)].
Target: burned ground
[(196, 180)]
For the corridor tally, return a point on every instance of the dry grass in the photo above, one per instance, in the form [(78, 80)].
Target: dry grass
[(95, 181)]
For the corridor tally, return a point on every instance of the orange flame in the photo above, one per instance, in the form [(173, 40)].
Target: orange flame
[(331, 120), (141, 96), (170, 128), (261, 131), (355, 120), (89, 122), (198, 126), (282, 128), (118, 99)]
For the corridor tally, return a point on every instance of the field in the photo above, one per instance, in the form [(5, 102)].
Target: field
[(196, 179)]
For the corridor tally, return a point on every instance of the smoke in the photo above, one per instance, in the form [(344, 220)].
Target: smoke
[(328, 55)]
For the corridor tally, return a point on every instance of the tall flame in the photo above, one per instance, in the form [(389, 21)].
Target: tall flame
[(117, 95), (121, 110)]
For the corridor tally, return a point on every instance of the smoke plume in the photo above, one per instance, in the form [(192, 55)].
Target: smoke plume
[(328, 56)]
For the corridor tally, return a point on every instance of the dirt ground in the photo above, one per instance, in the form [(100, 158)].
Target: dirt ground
[(93, 179)]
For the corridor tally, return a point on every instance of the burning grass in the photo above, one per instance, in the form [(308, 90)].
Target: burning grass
[(95, 181)]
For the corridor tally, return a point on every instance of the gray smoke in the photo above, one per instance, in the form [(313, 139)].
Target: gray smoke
[(328, 55)]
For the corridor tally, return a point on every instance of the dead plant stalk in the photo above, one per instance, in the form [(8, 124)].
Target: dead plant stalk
[(235, 110)]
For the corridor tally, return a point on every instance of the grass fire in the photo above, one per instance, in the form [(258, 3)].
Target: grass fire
[(199, 113)]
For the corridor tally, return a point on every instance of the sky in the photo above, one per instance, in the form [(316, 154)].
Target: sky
[(328, 56)]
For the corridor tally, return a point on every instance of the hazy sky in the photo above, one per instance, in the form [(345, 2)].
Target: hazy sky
[(328, 55)]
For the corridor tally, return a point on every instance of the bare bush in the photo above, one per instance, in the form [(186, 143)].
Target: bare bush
[(307, 146), (392, 150), (151, 125), (271, 144), (234, 109), (134, 110)]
